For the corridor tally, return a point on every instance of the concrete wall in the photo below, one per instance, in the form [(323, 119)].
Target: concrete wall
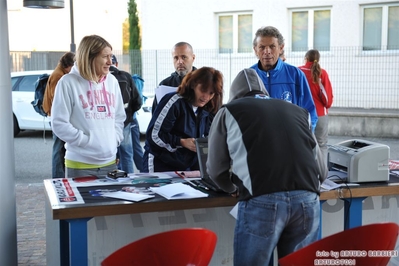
[(364, 122)]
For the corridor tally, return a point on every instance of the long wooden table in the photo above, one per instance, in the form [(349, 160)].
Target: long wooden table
[(76, 216)]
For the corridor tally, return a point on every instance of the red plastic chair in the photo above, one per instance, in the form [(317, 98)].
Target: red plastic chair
[(190, 246), (359, 240)]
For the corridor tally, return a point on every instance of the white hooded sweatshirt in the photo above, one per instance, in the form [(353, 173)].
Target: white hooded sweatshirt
[(89, 117)]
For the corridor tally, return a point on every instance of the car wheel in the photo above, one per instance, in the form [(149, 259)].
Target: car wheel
[(16, 126)]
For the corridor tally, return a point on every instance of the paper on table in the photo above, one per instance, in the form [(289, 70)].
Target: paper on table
[(393, 164), (96, 182), (395, 172), (178, 191), (119, 179), (160, 175), (330, 185), (127, 196), (337, 175)]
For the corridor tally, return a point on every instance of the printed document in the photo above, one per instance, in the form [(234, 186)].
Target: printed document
[(178, 191), (162, 90), (127, 196), (328, 184)]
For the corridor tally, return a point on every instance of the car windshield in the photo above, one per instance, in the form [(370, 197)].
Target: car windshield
[(28, 83)]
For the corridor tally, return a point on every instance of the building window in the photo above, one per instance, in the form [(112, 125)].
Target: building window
[(235, 33), (381, 27), (310, 29)]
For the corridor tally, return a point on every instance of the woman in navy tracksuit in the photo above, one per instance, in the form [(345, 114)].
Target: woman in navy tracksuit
[(180, 118)]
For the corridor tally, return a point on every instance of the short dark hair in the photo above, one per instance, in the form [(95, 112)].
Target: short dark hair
[(182, 44), (114, 60)]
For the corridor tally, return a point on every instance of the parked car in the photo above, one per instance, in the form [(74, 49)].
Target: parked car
[(23, 93), (144, 114), (26, 118)]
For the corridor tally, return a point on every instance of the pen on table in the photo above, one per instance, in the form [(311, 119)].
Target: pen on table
[(191, 183), (180, 174), (103, 190), (203, 187), (195, 184)]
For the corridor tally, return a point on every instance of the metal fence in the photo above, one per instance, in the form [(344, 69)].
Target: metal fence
[(360, 79)]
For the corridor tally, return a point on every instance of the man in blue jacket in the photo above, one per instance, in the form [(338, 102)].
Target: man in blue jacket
[(282, 80)]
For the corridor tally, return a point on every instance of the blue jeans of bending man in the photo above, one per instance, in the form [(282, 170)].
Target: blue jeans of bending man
[(58, 159), (137, 149), (125, 151), (289, 220)]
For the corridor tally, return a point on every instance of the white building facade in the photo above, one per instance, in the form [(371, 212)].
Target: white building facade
[(358, 39), (201, 22)]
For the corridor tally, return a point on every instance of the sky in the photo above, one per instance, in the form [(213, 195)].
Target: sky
[(32, 29)]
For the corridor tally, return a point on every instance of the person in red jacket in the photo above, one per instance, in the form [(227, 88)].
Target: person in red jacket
[(322, 93)]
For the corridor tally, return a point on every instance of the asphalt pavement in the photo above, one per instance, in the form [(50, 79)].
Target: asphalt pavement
[(33, 154), (33, 165)]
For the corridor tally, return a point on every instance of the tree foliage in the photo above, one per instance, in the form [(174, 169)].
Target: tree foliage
[(125, 36), (134, 38)]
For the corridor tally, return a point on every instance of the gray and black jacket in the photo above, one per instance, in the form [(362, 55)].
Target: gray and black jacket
[(261, 145)]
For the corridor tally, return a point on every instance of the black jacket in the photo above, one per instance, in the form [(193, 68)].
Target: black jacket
[(174, 80), (267, 144), (131, 96), (173, 120)]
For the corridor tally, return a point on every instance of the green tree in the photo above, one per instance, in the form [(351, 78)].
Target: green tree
[(134, 39), (125, 36)]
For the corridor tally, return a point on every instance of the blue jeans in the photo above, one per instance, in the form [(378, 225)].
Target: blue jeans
[(125, 152), (288, 220), (137, 149), (58, 160)]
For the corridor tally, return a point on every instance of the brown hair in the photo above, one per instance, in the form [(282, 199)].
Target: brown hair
[(208, 77), (67, 60), (313, 55)]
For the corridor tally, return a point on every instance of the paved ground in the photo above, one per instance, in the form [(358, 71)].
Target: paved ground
[(31, 227), (31, 214)]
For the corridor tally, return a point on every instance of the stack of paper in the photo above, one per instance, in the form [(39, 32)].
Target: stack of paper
[(178, 191), (393, 164), (328, 184), (335, 175), (127, 196), (162, 90)]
